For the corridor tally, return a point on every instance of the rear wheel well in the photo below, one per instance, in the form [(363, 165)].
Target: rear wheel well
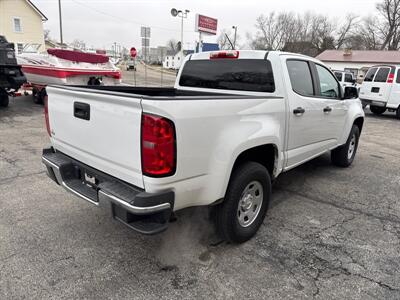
[(265, 155), (359, 122)]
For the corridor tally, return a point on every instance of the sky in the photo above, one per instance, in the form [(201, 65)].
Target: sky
[(100, 23)]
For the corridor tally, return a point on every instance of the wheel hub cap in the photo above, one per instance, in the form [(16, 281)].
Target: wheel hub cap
[(352, 147), (250, 203)]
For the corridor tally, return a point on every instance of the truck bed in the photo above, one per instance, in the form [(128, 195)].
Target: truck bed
[(150, 92)]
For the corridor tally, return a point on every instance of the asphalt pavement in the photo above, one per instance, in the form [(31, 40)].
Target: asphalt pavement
[(330, 233)]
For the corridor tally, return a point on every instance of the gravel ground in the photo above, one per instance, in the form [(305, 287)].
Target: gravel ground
[(330, 233)]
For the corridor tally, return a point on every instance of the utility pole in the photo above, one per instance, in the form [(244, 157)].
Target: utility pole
[(234, 39), (60, 17)]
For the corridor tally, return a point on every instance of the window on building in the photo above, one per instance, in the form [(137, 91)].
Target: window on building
[(20, 48), (17, 25)]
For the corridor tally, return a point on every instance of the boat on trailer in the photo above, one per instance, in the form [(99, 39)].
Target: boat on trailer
[(66, 67)]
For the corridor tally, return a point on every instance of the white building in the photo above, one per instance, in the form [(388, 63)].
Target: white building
[(358, 61), (173, 59)]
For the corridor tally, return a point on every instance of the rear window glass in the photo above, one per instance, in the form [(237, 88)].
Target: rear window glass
[(398, 76), (253, 75), (339, 76), (300, 77), (370, 74), (382, 75), (348, 78)]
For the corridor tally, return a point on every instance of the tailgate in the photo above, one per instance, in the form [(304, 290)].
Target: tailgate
[(99, 129)]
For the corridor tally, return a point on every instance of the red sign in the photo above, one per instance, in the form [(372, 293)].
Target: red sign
[(133, 52), (206, 24)]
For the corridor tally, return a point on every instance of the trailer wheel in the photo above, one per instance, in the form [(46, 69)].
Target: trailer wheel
[(3, 98), (38, 96)]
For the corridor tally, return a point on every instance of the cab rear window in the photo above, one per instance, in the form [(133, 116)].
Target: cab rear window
[(253, 75)]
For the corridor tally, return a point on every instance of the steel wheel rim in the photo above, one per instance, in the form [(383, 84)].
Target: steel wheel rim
[(352, 147), (250, 203)]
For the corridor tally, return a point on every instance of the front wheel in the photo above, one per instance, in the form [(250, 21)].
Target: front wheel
[(241, 214), (377, 109), (343, 156)]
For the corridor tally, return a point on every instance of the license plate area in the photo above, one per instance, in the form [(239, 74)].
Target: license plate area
[(375, 90)]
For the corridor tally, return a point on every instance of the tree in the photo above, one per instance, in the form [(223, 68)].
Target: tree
[(46, 34), (78, 44), (225, 38), (173, 45), (389, 28)]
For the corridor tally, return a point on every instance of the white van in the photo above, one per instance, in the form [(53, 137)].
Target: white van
[(345, 78), (381, 89)]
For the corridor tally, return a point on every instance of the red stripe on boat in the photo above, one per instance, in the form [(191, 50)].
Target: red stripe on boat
[(64, 73)]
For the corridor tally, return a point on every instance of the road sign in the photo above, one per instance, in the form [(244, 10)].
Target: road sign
[(145, 32), (206, 24), (133, 52)]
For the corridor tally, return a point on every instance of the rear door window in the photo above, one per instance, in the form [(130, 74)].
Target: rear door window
[(253, 75), (370, 74), (348, 78), (300, 77), (382, 75), (328, 85), (398, 76), (339, 75)]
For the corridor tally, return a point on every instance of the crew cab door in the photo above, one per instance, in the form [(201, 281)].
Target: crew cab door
[(313, 118)]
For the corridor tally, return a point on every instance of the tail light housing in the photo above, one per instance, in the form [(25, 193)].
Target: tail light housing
[(158, 145), (46, 114), (390, 78), (224, 54)]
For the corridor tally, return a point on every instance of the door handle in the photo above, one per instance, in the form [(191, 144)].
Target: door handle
[(327, 109), (299, 111), (82, 110)]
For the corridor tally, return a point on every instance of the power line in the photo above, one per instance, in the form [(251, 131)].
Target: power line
[(125, 20)]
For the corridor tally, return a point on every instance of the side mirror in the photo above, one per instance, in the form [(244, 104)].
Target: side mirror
[(350, 92)]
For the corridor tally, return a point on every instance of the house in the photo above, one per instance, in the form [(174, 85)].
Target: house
[(173, 59), (21, 22), (156, 55), (358, 61)]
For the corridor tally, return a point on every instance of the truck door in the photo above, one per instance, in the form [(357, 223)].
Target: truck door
[(307, 128)]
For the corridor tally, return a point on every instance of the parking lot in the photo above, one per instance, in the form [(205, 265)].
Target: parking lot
[(329, 233)]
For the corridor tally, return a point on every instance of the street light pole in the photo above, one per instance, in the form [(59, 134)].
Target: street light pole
[(234, 39), (60, 17), (183, 15)]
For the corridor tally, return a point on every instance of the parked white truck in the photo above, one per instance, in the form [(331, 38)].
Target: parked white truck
[(232, 124)]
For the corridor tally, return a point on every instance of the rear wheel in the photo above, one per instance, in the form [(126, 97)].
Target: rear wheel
[(398, 113), (343, 156), (3, 98), (241, 214), (377, 109)]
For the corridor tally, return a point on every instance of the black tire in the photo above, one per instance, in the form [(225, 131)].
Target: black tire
[(341, 156), (377, 110), (4, 101), (227, 213), (36, 96), (398, 113)]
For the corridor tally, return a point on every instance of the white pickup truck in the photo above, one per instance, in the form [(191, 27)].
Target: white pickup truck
[(234, 121)]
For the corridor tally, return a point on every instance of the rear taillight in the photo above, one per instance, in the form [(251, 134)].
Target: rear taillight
[(390, 78), (46, 114), (224, 54), (158, 146)]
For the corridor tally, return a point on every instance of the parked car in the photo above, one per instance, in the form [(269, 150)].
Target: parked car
[(232, 124), (381, 89), (345, 78), (11, 76), (131, 65)]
